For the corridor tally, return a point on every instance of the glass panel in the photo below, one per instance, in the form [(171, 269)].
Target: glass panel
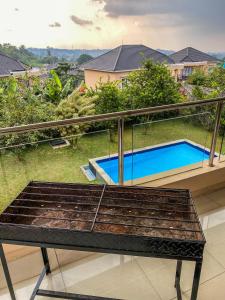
[(66, 159), (166, 147), (221, 147)]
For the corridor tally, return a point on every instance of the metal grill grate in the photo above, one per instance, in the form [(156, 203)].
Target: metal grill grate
[(118, 210)]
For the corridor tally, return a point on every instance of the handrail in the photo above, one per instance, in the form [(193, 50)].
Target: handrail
[(120, 116), (108, 116)]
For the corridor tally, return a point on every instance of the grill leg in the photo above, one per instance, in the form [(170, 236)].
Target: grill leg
[(46, 260), (197, 275), (177, 279), (7, 274)]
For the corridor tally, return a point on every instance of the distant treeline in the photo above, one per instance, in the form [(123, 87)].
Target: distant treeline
[(20, 53), (66, 54), (38, 57)]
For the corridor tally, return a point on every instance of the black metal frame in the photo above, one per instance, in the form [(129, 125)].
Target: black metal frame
[(137, 221), (61, 295)]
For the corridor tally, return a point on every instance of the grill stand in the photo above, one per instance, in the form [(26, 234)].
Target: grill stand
[(61, 295), (7, 274)]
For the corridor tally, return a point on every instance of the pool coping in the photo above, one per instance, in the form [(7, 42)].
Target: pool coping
[(100, 173)]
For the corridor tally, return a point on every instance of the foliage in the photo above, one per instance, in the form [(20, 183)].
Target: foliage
[(30, 99), (198, 92), (63, 68), (49, 60), (19, 105), (69, 82), (217, 78), (75, 106), (198, 78), (109, 99), (83, 58), (207, 121), (57, 88), (214, 79), (214, 86), (20, 53), (151, 86), (53, 88)]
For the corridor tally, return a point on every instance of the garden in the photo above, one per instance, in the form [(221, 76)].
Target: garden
[(30, 156)]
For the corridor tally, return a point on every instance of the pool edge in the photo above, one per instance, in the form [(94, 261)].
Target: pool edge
[(103, 175)]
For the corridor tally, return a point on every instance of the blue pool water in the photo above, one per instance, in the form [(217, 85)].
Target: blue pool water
[(153, 161)]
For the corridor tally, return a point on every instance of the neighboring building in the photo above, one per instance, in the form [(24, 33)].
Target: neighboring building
[(119, 62), (10, 66), (190, 59)]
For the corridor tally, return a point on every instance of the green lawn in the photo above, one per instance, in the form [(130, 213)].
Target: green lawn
[(44, 163)]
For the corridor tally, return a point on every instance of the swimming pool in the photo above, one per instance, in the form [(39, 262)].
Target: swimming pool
[(157, 161)]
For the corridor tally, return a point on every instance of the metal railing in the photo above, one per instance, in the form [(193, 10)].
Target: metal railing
[(120, 116)]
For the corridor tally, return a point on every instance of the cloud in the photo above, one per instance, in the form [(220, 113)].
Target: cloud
[(205, 14), (16, 9), (98, 28), (55, 24), (80, 22)]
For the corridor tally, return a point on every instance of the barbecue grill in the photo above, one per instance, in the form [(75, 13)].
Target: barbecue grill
[(136, 221)]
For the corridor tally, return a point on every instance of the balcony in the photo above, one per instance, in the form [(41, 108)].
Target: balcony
[(119, 276)]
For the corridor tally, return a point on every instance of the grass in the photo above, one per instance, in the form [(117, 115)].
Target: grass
[(41, 162)]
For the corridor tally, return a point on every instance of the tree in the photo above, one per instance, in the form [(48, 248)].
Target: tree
[(20, 106), (152, 85), (63, 68), (49, 60), (49, 51), (217, 78), (109, 99), (75, 106), (213, 86), (198, 78), (83, 58)]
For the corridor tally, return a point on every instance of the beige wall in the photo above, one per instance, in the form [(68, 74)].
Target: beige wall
[(204, 66), (93, 77)]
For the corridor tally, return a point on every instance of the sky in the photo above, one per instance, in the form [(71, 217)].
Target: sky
[(91, 24)]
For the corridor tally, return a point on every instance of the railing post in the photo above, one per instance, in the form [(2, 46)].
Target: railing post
[(215, 132), (120, 151)]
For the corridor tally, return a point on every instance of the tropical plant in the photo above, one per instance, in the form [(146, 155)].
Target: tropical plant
[(75, 106), (53, 88)]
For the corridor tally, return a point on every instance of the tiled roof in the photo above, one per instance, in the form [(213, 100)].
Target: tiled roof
[(125, 58), (8, 65), (190, 54)]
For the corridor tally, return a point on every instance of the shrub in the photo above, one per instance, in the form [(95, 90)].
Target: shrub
[(75, 106)]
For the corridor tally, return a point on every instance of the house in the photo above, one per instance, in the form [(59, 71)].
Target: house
[(10, 66), (119, 62), (190, 59)]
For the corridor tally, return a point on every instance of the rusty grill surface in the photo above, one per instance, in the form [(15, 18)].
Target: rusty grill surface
[(94, 215)]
